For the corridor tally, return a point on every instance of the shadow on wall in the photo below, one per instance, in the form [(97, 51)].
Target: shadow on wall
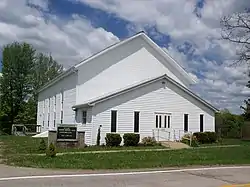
[(67, 83)]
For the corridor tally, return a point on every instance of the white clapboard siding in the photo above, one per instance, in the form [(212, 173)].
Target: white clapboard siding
[(119, 68), (148, 100), (68, 87)]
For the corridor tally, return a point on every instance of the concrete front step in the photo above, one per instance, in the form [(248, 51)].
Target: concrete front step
[(174, 145)]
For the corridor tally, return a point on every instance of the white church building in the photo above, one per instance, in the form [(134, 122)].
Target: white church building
[(130, 87)]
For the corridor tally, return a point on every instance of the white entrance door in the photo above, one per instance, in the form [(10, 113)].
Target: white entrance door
[(162, 126)]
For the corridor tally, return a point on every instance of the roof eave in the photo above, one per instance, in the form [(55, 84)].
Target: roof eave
[(149, 82), (59, 77), (188, 79), (108, 49)]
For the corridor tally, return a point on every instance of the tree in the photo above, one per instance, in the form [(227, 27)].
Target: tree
[(236, 29), (228, 125), (17, 64), (24, 71), (45, 69)]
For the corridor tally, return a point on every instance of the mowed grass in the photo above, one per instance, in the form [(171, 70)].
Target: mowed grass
[(21, 151), (129, 160), (19, 144), (29, 145), (229, 142)]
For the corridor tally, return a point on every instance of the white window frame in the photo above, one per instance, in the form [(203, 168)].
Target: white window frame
[(163, 117)]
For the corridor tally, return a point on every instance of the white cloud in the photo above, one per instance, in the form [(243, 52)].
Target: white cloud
[(224, 86), (69, 41)]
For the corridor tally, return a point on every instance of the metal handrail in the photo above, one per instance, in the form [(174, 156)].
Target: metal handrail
[(158, 134)]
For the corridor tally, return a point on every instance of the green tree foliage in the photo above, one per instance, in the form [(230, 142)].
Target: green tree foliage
[(228, 125), (17, 65), (246, 110), (45, 69), (23, 72), (42, 145)]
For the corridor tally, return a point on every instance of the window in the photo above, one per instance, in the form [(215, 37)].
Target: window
[(201, 122), (62, 98), (84, 117), (156, 121), (54, 119), (113, 120), (61, 117), (168, 121), (54, 103), (159, 121), (48, 111), (162, 120), (136, 121), (165, 121), (185, 122), (48, 119), (62, 106), (43, 112), (76, 115)]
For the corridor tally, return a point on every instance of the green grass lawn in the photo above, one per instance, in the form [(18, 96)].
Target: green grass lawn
[(127, 160), (29, 145), (229, 142), (15, 147)]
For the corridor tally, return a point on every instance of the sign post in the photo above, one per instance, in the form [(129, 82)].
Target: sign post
[(66, 132), (67, 136)]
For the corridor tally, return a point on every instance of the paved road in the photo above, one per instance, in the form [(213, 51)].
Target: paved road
[(27, 177)]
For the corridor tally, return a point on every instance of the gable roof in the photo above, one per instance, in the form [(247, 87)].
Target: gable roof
[(142, 34), (141, 84), (148, 40)]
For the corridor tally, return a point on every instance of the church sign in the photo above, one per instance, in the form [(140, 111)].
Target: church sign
[(66, 133)]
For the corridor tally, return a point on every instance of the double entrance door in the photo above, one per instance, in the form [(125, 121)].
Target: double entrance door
[(162, 126)]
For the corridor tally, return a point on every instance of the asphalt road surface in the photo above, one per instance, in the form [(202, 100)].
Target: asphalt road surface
[(174, 177)]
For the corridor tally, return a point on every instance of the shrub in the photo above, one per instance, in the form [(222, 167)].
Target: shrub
[(148, 141), (131, 139), (51, 151), (113, 139), (42, 145), (186, 139), (212, 137), (201, 137), (98, 136), (206, 137)]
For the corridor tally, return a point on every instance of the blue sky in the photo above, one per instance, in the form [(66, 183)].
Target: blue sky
[(188, 30)]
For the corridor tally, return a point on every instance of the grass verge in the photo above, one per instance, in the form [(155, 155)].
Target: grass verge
[(29, 145), (129, 160), (228, 142)]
